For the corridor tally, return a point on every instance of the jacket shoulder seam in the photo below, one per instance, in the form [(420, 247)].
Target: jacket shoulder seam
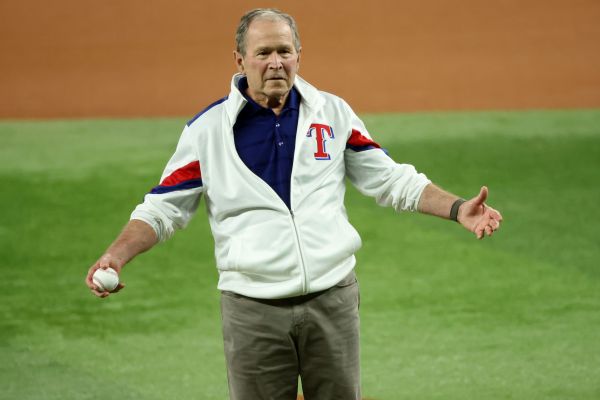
[(210, 107)]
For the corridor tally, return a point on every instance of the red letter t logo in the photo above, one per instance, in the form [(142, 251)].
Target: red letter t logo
[(320, 131)]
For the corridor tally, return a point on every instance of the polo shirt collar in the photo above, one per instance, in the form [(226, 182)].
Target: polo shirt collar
[(308, 97), (291, 103)]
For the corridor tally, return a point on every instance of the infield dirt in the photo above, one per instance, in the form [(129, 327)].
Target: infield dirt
[(139, 58)]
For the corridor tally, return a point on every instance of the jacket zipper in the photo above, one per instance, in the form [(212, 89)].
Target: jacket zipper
[(305, 286), (305, 283), (305, 125)]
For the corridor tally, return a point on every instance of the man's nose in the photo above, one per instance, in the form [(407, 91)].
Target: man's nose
[(275, 61)]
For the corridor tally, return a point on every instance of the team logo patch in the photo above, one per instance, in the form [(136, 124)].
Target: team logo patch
[(322, 133)]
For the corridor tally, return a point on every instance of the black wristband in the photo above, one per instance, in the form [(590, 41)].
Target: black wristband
[(454, 209)]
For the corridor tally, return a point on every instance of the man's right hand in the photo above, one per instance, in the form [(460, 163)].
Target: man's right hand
[(137, 237), (106, 261)]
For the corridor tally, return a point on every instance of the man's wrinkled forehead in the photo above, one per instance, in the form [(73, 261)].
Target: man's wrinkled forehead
[(261, 15), (270, 34)]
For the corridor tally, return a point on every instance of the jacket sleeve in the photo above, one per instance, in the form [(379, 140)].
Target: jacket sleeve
[(375, 174), (170, 205)]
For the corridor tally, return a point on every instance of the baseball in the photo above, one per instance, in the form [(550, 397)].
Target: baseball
[(105, 279)]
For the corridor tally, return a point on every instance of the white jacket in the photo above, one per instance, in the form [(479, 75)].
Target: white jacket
[(262, 248)]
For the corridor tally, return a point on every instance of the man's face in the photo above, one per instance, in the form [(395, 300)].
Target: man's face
[(271, 61)]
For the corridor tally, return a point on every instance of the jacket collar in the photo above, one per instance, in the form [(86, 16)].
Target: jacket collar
[(311, 98)]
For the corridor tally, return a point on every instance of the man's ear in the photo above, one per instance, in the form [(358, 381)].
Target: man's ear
[(298, 62), (239, 61)]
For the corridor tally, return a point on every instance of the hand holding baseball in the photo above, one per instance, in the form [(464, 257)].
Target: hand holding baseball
[(102, 283)]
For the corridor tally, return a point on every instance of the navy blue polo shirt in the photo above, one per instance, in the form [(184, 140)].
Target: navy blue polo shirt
[(265, 142)]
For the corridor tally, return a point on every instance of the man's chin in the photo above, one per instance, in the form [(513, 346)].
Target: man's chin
[(279, 91), (277, 84)]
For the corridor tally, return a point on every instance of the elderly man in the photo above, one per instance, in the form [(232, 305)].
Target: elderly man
[(270, 160)]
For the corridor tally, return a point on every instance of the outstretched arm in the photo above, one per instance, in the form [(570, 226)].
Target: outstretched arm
[(474, 214), (136, 237)]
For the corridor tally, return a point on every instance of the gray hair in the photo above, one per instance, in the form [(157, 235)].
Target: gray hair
[(266, 13)]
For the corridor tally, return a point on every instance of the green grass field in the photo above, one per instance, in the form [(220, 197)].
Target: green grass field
[(444, 316)]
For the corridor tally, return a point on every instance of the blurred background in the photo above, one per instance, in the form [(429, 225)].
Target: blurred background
[(74, 58)]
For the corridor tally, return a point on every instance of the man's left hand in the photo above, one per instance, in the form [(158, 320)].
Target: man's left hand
[(478, 217)]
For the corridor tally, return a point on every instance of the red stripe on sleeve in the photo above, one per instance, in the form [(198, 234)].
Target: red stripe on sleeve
[(358, 140), (185, 173)]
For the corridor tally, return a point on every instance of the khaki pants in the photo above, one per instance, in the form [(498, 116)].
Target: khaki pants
[(269, 343)]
